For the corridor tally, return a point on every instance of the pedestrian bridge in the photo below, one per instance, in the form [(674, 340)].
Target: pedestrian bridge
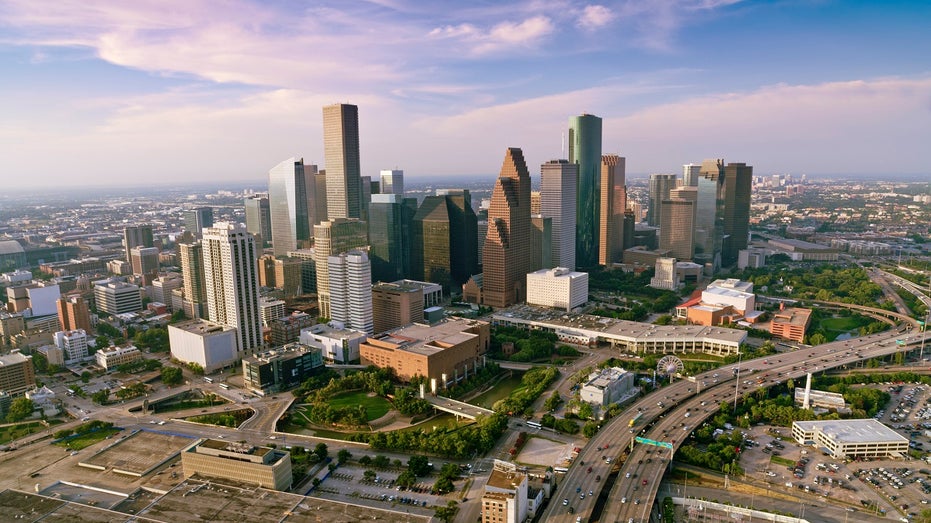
[(458, 408)]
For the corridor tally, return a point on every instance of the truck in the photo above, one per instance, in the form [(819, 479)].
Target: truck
[(635, 419)]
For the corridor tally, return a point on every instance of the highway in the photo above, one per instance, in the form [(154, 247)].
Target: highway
[(630, 499)]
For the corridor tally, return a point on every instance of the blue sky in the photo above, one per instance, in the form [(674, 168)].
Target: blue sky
[(153, 91)]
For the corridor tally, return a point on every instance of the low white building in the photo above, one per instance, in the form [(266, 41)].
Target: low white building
[(607, 386), (560, 288), (738, 294), (112, 357), (73, 345), (339, 344), (208, 344), (851, 438), (53, 354)]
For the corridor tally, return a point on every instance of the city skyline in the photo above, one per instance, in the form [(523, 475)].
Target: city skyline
[(820, 88)]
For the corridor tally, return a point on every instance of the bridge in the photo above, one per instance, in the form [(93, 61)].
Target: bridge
[(458, 408)]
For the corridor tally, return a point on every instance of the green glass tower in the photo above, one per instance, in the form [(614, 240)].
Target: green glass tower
[(585, 150)]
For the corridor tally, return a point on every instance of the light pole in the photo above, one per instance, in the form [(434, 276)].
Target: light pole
[(737, 385)]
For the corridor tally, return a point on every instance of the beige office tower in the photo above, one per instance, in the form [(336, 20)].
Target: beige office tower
[(506, 257), (341, 152), (613, 206), (331, 238), (535, 202), (231, 281), (677, 231), (396, 304), (192, 271), (690, 174)]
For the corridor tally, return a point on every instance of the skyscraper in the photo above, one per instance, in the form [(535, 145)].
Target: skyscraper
[(144, 260), (198, 218), (351, 290), (613, 206), (287, 201), (136, 236), (444, 245), (73, 314), (709, 215), (738, 182), (660, 185), (343, 170), (690, 174), (232, 284), (678, 219), (195, 287), (558, 183), (585, 150), (259, 219), (320, 200), (332, 237), (392, 182), (507, 253), (390, 236)]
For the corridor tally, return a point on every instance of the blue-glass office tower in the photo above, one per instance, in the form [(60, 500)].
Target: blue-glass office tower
[(585, 150), (390, 236)]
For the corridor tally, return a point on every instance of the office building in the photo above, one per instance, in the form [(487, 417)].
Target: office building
[(709, 215), (670, 274), (851, 438), (281, 272), (558, 185), (73, 345), (339, 344), (270, 309), (112, 357), (738, 182), (536, 200), (208, 344), (12, 256), (396, 304), (10, 326), (163, 286), (288, 200), (506, 256), (676, 235), (585, 151), (308, 269), (259, 219), (690, 174), (196, 219), (192, 274), (541, 242), (53, 354), (232, 283), (242, 462), (334, 237), (752, 258), (287, 328), (444, 245), (392, 182), (660, 185), (281, 368), (613, 207), (505, 497), (136, 236), (113, 296), (390, 219), (73, 313), (144, 260), (39, 299), (559, 288), (17, 374), (350, 275), (446, 351), (320, 202), (607, 386), (790, 323), (341, 152)]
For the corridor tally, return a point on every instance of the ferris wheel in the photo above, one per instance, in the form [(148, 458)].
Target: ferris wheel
[(669, 366)]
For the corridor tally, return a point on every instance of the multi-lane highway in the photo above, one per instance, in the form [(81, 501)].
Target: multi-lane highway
[(685, 404)]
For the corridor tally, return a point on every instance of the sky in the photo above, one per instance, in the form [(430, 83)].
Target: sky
[(101, 92)]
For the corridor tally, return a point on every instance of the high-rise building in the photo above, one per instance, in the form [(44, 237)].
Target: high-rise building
[(232, 283), (613, 206), (17, 374), (196, 219), (195, 287), (390, 218), (350, 275), (507, 254), (308, 269), (536, 202), (73, 344), (558, 183), (113, 296), (396, 304), (137, 236), (444, 245), (366, 195), (585, 150), (738, 182), (332, 237), (320, 198), (343, 170), (259, 219), (281, 368), (392, 182), (709, 215), (690, 174), (287, 201), (144, 260), (660, 185), (163, 286), (678, 218), (73, 314), (541, 242)]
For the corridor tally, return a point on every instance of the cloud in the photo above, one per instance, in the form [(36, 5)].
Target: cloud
[(595, 17), (502, 36)]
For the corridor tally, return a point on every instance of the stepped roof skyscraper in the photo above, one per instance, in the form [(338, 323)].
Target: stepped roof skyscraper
[(506, 257)]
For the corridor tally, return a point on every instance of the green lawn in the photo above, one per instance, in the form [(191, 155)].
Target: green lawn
[(82, 442), (781, 461), (375, 406), (8, 434), (501, 390)]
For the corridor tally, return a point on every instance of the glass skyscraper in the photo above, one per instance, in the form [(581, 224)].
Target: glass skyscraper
[(390, 236), (585, 150), (341, 152), (287, 201)]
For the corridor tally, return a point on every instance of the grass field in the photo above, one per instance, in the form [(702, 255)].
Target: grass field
[(834, 327), (501, 390), (375, 406), (8, 434), (82, 442), (781, 461)]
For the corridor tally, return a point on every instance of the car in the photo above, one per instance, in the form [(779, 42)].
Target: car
[(589, 470), (637, 501), (627, 475), (582, 496), (578, 489), (644, 483), (572, 510), (624, 499), (565, 502), (598, 478), (591, 492)]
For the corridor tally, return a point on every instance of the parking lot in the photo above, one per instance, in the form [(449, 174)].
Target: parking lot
[(349, 482)]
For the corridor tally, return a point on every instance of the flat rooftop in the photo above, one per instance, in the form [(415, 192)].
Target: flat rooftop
[(854, 431), (430, 339), (504, 480), (202, 327), (793, 316), (139, 452)]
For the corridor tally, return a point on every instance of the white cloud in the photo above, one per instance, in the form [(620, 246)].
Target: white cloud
[(502, 36), (595, 17)]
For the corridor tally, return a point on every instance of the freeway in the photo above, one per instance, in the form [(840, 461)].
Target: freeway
[(669, 415)]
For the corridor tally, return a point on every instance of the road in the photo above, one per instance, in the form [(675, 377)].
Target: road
[(682, 409)]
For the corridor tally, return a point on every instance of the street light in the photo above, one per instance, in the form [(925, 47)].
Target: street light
[(737, 385)]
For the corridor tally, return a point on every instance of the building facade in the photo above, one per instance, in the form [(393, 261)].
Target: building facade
[(613, 207), (112, 357), (608, 386), (339, 344), (232, 282), (851, 438), (559, 288), (341, 152), (350, 275), (208, 344), (117, 297), (17, 374), (585, 151), (558, 185), (281, 368), (195, 285), (396, 304), (288, 201), (333, 237), (444, 231), (392, 182), (259, 219), (73, 313), (266, 467)]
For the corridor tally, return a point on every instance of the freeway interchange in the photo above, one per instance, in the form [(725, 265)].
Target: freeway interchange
[(685, 405)]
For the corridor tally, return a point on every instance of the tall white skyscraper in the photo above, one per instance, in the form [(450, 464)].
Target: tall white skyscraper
[(232, 281), (558, 201), (690, 173), (351, 290), (392, 182)]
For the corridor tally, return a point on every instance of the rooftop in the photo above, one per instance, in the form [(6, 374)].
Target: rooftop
[(793, 316), (430, 339), (202, 327), (14, 358), (854, 430)]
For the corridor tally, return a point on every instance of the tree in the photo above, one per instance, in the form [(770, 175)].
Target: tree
[(419, 465), (85, 376), (154, 339), (321, 451), (343, 456), (365, 460), (407, 479), (444, 485), (590, 429), (21, 408), (381, 461), (447, 513), (585, 411), (101, 396), (369, 475), (172, 376)]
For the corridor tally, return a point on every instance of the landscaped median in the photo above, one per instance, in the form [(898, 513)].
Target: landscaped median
[(85, 435)]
